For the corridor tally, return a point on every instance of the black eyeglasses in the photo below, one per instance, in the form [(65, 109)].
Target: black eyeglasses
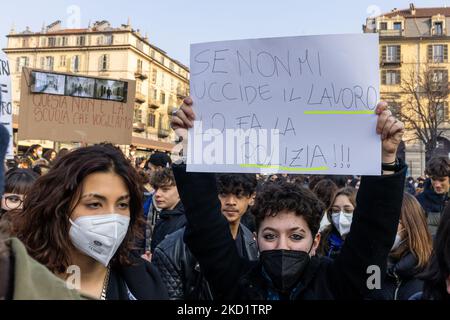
[(13, 201)]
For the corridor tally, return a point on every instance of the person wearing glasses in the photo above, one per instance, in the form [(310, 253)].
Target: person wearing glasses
[(340, 216), (18, 182)]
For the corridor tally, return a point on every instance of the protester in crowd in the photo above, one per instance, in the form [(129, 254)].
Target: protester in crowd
[(25, 163), (339, 180), (166, 197), (355, 183), (50, 156), (132, 155), (325, 190), (437, 275), (34, 153), (409, 255), (180, 270), (87, 212), (158, 160), (410, 186), (18, 183), (313, 180), (419, 185), (434, 198), (340, 216), (21, 277), (62, 152), (288, 220)]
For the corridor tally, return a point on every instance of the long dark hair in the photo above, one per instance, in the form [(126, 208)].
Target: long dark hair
[(438, 270), (44, 224)]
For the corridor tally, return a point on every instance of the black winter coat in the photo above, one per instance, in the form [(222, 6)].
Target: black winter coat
[(168, 222), (140, 281), (181, 272), (400, 282), (369, 242)]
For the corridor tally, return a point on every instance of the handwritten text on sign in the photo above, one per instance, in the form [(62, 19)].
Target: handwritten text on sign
[(289, 105), (6, 108)]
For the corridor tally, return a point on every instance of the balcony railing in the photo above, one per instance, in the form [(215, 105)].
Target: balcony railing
[(153, 103), (140, 98), (391, 60), (138, 127), (390, 33), (140, 74), (163, 133)]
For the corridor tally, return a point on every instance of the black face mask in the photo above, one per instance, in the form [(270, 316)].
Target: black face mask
[(284, 267)]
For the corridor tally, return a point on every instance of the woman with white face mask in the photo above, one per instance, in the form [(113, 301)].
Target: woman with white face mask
[(340, 215), (81, 221)]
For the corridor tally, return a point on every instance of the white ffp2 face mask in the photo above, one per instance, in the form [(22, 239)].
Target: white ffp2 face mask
[(99, 236), (342, 221)]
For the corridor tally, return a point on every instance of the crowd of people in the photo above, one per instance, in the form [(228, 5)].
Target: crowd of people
[(95, 223)]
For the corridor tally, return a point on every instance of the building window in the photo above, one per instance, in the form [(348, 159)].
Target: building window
[(76, 63), (140, 45), (397, 26), (151, 119), (140, 66), (65, 41), (104, 62), (81, 41), (383, 25), (155, 94), (25, 42), (171, 66), (438, 29), (47, 63), (137, 114), (162, 60), (439, 53), (390, 77), (62, 61), (442, 111), (43, 42), (154, 76), (21, 63), (392, 53), (109, 39), (163, 80), (163, 98), (152, 54), (52, 42)]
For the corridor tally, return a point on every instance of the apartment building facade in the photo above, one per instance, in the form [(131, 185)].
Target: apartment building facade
[(413, 40), (102, 50)]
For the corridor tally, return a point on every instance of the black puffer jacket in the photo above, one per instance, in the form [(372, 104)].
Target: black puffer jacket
[(180, 270), (400, 282), (168, 222), (369, 242)]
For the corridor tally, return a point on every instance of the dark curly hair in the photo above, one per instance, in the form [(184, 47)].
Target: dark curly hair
[(237, 184), (438, 167), (162, 177), (44, 223), (438, 270), (283, 196)]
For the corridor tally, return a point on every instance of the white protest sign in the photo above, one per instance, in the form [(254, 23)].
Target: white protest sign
[(299, 105), (6, 109)]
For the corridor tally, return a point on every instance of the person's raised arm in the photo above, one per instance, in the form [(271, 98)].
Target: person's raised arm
[(207, 233), (362, 261)]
